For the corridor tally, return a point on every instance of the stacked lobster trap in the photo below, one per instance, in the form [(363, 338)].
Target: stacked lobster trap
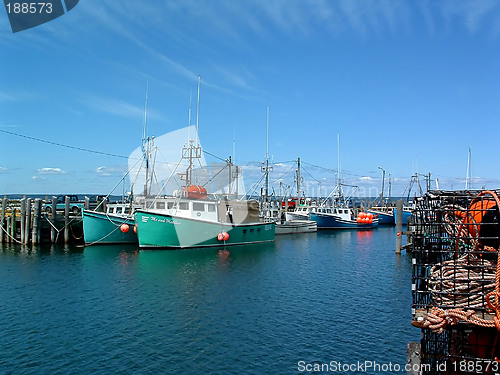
[(456, 281)]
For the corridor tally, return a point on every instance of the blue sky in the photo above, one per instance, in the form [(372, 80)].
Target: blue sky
[(408, 85)]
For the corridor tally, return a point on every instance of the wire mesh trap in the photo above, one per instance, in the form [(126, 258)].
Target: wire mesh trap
[(456, 279)]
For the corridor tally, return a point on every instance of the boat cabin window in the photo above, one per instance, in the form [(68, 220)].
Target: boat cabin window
[(211, 207), (170, 205), (160, 205), (183, 206), (127, 210), (198, 206)]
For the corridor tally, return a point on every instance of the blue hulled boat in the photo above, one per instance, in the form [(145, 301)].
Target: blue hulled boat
[(340, 218), (384, 214), (406, 214)]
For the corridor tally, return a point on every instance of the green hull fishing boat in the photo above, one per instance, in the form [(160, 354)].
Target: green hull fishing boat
[(201, 223), (107, 228), (166, 231)]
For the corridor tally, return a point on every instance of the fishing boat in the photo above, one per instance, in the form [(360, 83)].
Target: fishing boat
[(335, 213), (111, 227), (407, 211), (185, 221), (341, 218), (273, 210), (192, 218), (301, 212), (383, 213), (296, 226), (113, 222)]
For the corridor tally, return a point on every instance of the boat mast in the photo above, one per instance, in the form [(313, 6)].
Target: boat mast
[(383, 180), (145, 142), (339, 176), (267, 154), (190, 151), (298, 182), (198, 112)]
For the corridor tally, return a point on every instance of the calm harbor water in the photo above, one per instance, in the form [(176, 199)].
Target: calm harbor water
[(322, 298)]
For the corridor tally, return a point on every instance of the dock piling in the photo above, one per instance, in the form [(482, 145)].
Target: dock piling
[(53, 217), (35, 236), (2, 219), (23, 218), (66, 219), (27, 226), (399, 225)]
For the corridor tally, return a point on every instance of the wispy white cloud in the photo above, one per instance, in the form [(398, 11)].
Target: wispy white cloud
[(38, 178), (16, 96), (3, 169), (110, 171), (45, 171), (112, 106)]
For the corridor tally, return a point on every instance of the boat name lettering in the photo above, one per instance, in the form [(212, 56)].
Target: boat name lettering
[(165, 220)]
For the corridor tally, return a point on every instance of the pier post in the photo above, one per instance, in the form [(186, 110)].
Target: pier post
[(399, 225), (13, 225), (27, 227), (2, 218), (23, 218), (39, 219), (36, 222), (53, 233), (66, 219)]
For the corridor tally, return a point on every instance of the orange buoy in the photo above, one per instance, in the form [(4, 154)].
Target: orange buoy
[(225, 236), (135, 228), (475, 215), (220, 237), (124, 228)]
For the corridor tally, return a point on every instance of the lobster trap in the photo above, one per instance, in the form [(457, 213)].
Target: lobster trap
[(456, 280)]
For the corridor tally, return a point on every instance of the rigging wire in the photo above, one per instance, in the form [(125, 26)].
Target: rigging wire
[(62, 145)]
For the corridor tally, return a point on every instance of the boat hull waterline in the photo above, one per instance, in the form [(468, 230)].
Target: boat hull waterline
[(296, 226), (157, 230)]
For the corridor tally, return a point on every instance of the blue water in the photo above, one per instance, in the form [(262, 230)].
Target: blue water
[(322, 298)]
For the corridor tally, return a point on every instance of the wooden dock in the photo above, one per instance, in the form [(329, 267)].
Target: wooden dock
[(26, 222)]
